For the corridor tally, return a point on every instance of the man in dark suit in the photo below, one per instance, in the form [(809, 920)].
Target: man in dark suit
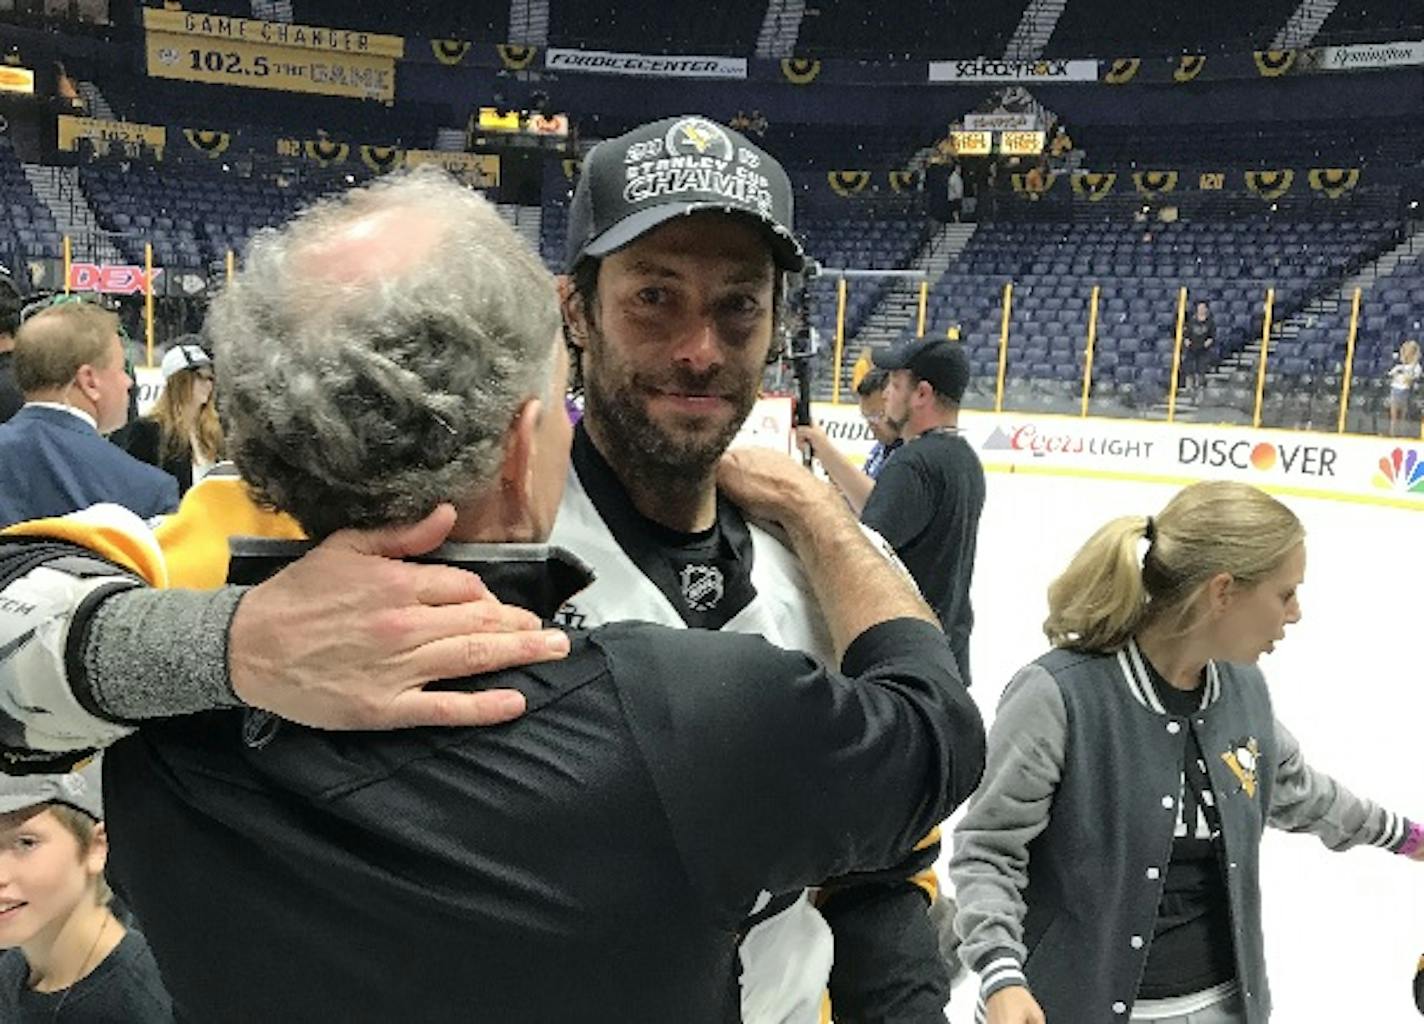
[(69, 363)]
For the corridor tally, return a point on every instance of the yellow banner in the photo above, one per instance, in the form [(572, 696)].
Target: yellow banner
[(272, 33), (480, 170), (271, 55), (104, 133), (14, 78)]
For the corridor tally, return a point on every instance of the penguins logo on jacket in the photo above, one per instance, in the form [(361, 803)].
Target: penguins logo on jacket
[(1241, 759)]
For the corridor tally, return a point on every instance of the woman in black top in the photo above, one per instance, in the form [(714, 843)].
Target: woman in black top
[(180, 435)]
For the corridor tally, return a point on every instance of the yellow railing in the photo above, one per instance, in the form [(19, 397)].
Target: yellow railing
[(1092, 352), (1088, 351)]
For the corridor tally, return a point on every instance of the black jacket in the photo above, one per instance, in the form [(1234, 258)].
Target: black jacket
[(596, 857), (143, 439)]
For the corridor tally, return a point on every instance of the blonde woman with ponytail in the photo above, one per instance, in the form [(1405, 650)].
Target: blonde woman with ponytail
[(1107, 869)]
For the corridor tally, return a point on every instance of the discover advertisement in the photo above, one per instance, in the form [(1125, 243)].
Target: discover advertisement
[(1349, 467)]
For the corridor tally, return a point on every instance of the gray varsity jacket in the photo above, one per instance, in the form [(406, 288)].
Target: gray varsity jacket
[(1059, 863)]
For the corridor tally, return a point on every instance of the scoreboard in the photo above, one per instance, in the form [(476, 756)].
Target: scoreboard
[(980, 142), (1021, 143)]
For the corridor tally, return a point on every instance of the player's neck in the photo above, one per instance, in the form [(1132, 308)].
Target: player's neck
[(679, 500), (688, 507)]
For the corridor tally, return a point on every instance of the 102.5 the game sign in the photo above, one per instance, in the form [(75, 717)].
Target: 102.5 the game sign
[(265, 55)]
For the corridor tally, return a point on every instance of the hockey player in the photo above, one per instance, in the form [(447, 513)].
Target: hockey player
[(680, 238)]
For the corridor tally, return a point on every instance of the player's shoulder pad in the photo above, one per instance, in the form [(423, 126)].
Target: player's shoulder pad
[(105, 535)]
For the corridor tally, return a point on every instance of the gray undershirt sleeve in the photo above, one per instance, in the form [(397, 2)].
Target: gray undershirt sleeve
[(161, 653)]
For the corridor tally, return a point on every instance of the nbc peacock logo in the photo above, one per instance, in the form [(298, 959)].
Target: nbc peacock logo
[(1401, 470)]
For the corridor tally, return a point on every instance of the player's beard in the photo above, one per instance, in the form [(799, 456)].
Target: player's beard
[(616, 406)]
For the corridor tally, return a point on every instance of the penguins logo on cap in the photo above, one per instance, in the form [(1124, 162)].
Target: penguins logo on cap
[(696, 136)]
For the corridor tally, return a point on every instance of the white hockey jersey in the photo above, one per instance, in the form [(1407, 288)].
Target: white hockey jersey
[(786, 958)]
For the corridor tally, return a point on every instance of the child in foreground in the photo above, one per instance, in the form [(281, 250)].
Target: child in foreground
[(66, 957)]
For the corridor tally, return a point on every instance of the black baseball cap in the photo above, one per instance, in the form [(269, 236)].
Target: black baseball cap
[(680, 165), (940, 361)]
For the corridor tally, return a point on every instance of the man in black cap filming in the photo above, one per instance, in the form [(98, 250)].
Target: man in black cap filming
[(928, 498)]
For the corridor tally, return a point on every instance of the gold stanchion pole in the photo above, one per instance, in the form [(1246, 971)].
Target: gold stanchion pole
[(840, 338), (148, 298), (924, 303), (68, 262), (1092, 342), (1349, 361), (1177, 355), (1265, 354), (1004, 346), (231, 266)]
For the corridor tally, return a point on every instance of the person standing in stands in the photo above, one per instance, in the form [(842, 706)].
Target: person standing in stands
[(180, 435), (1108, 867), (67, 958), (69, 363), (11, 302), (675, 305), (1198, 345), (927, 500), (855, 482), (1402, 378), (954, 192)]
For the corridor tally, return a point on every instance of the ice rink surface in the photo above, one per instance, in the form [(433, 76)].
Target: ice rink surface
[(1343, 931)]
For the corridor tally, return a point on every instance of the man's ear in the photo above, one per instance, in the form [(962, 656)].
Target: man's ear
[(575, 318), (86, 379), (516, 475)]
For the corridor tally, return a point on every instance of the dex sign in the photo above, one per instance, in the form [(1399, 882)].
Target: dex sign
[(111, 279)]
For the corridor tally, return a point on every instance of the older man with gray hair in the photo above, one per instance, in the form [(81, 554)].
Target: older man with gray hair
[(388, 352)]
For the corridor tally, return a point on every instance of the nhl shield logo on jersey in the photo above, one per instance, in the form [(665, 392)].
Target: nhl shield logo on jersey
[(570, 616), (1242, 759), (702, 587)]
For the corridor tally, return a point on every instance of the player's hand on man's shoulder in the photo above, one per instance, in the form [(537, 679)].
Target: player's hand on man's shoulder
[(348, 636), (766, 484)]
